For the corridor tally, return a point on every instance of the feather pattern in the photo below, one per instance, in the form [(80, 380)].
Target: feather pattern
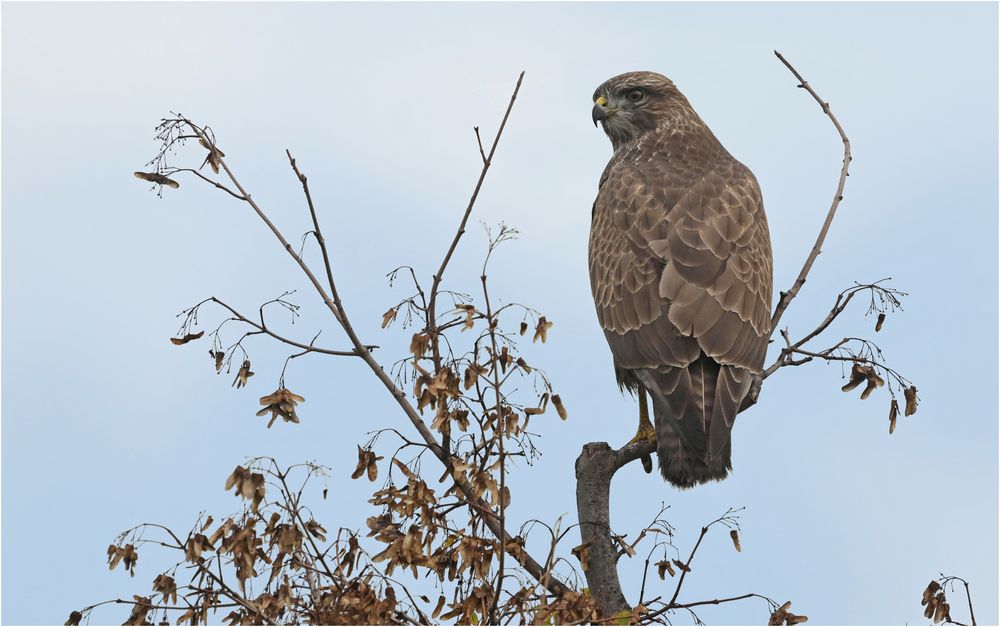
[(681, 272)]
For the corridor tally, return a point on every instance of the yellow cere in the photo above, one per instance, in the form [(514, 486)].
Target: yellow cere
[(601, 101)]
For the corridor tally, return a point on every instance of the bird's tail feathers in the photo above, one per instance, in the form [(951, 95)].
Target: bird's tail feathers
[(693, 411)]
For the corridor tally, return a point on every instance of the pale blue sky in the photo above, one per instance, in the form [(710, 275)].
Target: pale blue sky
[(105, 424)]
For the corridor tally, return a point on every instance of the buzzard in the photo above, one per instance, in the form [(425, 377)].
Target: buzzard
[(681, 272)]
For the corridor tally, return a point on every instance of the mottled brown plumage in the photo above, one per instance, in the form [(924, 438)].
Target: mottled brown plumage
[(681, 271)]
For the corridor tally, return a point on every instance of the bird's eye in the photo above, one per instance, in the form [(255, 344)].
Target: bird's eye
[(635, 95)]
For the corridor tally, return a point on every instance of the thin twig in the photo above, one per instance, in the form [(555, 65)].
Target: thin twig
[(265, 330), (487, 161), (315, 220), (787, 297)]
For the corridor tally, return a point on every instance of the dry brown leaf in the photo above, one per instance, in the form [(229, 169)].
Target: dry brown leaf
[(207, 146), (470, 312), (388, 317), (910, 394), (857, 376), (419, 344), (930, 591), (665, 566), (214, 158), (582, 553), (880, 322), (74, 618), (524, 328), (681, 565), (942, 612), (472, 375), (403, 468), (362, 464), (187, 338), (782, 616), (893, 412), (114, 556), (736, 540), (166, 586), (560, 408), (140, 611), (316, 530), (541, 330), (874, 381), (219, 357), (243, 374), (281, 403), (159, 179), (624, 545), (438, 607)]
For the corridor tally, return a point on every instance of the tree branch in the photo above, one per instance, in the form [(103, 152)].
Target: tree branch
[(261, 328), (789, 296), (432, 328)]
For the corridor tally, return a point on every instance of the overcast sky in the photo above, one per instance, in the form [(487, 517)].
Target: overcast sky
[(106, 424)]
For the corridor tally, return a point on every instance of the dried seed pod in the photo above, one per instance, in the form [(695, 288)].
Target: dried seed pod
[(159, 179), (542, 330), (581, 552), (388, 317), (560, 408), (857, 376), (178, 341), (930, 591), (664, 566), (910, 394), (874, 381)]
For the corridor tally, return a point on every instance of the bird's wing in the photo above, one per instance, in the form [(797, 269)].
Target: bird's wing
[(718, 268), (682, 265)]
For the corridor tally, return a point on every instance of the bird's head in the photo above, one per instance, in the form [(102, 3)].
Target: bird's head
[(630, 105)]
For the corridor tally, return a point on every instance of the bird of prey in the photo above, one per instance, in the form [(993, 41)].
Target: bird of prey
[(681, 272)]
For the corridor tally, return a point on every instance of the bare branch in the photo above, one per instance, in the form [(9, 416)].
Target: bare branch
[(787, 297), (487, 161), (261, 328)]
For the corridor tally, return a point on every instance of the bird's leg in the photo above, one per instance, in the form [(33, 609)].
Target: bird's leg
[(646, 430)]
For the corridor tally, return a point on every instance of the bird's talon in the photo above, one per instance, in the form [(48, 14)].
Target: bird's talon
[(645, 433)]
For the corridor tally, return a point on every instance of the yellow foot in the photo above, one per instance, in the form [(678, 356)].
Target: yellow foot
[(646, 432)]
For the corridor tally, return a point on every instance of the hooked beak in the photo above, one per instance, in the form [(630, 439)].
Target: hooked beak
[(598, 113), (600, 110)]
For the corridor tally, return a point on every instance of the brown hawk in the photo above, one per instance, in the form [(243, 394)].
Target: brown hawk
[(681, 271)]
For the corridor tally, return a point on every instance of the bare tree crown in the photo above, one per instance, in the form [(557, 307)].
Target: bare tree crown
[(467, 398)]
